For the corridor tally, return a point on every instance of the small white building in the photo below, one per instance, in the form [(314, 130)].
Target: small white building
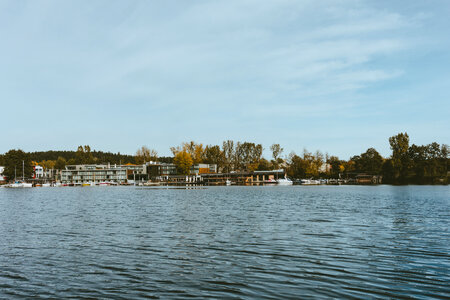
[(38, 172), (2, 178)]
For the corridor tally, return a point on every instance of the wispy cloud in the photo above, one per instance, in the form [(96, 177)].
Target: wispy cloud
[(212, 60)]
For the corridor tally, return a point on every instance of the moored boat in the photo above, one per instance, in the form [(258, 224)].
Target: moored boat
[(19, 184), (309, 182), (284, 181)]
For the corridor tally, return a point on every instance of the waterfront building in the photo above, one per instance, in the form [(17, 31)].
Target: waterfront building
[(38, 172), (2, 178), (199, 169), (157, 169), (244, 178), (368, 179), (102, 173)]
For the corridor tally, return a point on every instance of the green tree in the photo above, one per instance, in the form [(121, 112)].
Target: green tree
[(84, 155), (369, 162), (387, 170), (428, 164), (335, 164), (318, 161), (247, 156), (276, 153), (264, 165), (17, 163), (297, 166), (213, 155), (183, 161), (60, 163), (312, 163), (228, 154), (400, 145)]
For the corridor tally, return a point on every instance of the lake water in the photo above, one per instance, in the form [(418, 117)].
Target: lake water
[(225, 242)]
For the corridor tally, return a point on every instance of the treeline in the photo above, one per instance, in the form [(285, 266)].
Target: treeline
[(96, 156), (427, 164), (16, 160), (408, 164)]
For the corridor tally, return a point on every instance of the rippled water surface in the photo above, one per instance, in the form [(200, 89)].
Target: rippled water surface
[(225, 242)]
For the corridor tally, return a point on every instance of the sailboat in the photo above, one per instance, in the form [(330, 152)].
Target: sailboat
[(20, 184)]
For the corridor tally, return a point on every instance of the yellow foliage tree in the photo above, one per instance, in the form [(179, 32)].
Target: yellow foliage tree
[(183, 161), (196, 151)]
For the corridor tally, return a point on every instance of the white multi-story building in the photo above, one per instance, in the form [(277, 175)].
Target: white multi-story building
[(99, 173), (38, 172)]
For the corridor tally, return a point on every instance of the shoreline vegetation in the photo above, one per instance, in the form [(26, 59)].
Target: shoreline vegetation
[(408, 164)]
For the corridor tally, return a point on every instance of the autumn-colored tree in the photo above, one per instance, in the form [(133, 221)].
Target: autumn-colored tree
[(197, 151), (144, 154), (183, 161), (47, 164)]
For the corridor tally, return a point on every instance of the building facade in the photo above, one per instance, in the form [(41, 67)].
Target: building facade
[(157, 169), (199, 169), (78, 174), (38, 172), (2, 178)]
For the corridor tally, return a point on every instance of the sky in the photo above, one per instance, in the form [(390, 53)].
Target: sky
[(338, 76)]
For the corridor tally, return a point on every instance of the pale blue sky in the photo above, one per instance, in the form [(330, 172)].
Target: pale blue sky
[(339, 76)]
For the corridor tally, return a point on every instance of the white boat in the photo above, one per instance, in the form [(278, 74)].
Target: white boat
[(19, 184), (284, 181), (46, 185), (309, 182), (149, 183), (228, 182)]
